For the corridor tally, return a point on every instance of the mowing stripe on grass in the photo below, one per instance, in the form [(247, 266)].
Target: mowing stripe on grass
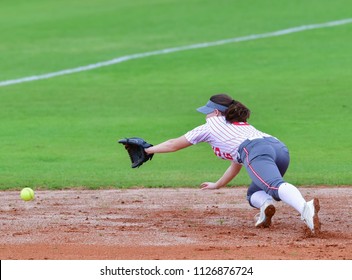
[(175, 49)]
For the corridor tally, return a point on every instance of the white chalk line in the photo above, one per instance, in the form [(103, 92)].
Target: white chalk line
[(175, 49)]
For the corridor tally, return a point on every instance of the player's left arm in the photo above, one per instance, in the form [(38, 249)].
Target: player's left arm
[(229, 174), (171, 145)]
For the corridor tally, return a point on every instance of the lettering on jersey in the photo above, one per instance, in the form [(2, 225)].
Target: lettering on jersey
[(220, 154), (217, 151)]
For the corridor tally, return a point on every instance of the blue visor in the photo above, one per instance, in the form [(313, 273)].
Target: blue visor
[(210, 107)]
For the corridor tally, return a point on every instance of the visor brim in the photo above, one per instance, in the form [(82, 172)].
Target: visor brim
[(205, 110)]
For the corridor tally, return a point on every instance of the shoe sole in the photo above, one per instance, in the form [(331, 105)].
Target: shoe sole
[(269, 213), (316, 221)]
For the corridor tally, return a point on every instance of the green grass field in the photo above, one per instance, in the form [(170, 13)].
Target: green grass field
[(63, 132)]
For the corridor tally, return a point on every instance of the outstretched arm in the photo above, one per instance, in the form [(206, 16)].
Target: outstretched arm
[(171, 145), (229, 174)]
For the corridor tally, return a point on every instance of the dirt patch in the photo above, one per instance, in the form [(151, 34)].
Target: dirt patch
[(166, 224)]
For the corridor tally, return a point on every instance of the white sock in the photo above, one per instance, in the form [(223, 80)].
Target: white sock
[(259, 198), (292, 196)]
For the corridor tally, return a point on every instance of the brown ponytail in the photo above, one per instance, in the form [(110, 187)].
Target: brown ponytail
[(236, 112)]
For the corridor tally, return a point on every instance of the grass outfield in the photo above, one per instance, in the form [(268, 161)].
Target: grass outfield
[(63, 131)]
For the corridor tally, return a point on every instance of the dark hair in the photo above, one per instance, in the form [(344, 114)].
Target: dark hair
[(236, 112)]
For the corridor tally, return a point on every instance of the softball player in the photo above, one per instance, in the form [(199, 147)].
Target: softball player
[(265, 158)]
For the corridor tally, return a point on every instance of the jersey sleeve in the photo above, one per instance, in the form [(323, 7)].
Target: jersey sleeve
[(198, 134)]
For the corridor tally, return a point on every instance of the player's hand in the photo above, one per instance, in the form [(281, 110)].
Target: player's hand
[(209, 186)]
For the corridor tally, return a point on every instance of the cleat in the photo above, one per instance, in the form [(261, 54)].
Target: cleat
[(267, 211), (310, 215)]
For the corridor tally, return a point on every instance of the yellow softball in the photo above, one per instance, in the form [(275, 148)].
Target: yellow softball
[(27, 194)]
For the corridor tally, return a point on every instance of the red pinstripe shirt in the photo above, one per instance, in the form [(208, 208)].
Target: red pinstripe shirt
[(224, 137)]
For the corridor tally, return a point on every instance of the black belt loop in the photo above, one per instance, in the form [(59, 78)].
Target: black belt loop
[(240, 149), (239, 159)]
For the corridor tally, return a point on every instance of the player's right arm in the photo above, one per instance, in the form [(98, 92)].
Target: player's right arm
[(229, 174)]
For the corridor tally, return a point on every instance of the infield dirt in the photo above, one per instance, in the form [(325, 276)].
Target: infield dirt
[(168, 223)]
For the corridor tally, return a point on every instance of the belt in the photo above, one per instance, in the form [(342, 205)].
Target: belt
[(256, 137), (244, 144)]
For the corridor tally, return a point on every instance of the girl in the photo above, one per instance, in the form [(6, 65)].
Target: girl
[(264, 157)]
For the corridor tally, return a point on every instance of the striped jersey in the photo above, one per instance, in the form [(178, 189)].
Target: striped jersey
[(224, 137)]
